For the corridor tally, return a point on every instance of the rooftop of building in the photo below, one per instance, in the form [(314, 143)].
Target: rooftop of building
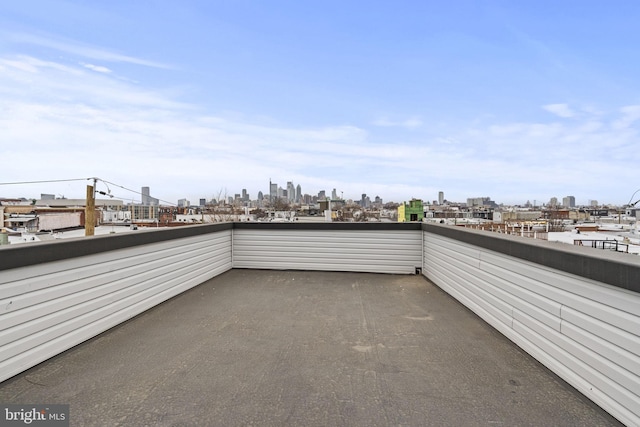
[(255, 347)]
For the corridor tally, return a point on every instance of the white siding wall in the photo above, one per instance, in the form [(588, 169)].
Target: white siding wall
[(586, 332), (48, 308), (376, 251)]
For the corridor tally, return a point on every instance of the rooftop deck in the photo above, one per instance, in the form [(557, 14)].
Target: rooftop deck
[(256, 347)]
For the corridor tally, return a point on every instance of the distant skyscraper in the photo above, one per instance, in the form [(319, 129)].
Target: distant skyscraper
[(569, 202), (322, 195), (273, 190), (291, 191), (147, 200), (260, 196), (364, 201), (245, 195), (203, 202), (298, 193), (481, 201), (441, 197), (553, 202), (334, 194), (145, 195)]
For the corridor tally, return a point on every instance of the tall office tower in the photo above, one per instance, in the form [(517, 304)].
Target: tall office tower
[(245, 195), (569, 202), (441, 197), (334, 194), (273, 190), (147, 200), (298, 194), (553, 202), (203, 202), (145, 195), (260, 196), (322, 195), (291, 191)]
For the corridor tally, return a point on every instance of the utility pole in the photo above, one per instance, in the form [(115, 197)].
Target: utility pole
[(90, 210)]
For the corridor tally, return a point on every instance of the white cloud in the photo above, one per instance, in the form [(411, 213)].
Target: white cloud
[(83, 50), (71, 122), (410, 123), (51, 82), (33, 65), (630, 115), (447, 140), (97, 68), (561, 110)]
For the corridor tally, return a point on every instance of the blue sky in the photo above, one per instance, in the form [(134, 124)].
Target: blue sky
[(518, 101)]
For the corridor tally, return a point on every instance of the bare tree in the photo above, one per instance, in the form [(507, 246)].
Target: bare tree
[(279, 204), (259, 213), (555, 220), (219, 210)]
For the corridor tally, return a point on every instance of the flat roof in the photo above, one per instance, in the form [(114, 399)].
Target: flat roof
[(256, 347), (77, 202), (21, 219)]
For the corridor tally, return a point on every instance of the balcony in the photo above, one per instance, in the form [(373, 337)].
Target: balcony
[(275, 324)]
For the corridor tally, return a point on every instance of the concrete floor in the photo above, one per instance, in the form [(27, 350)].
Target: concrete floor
[(273, 348)]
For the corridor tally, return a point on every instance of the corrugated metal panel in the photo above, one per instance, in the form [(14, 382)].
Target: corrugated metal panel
[(48, 308), (586, 332), (375, 251)]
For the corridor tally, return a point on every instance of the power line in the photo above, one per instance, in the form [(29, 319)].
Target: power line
[(44, 182), (133, 191), (81, 179), (631, 199)]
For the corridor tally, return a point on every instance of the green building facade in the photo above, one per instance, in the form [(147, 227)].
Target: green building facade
[(411, 211)]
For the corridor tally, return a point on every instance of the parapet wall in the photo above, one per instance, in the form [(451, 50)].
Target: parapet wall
[(361, 247), (576, 310), (55, 295)]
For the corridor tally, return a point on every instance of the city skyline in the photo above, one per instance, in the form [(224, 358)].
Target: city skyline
[(145, 194), (517, 101)]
